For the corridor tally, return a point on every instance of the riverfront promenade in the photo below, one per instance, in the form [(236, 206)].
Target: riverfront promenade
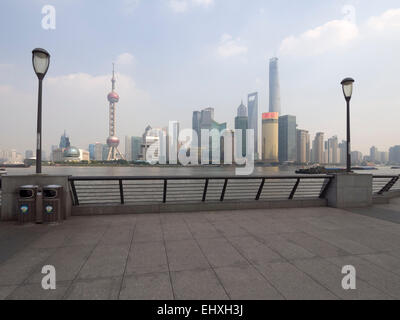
[(254, 254)]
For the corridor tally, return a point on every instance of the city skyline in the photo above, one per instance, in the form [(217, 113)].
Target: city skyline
[(221, 65)]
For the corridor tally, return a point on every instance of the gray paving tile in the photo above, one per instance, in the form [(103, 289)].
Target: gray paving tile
[(176, 231), (147, 257), (6, 291), (185, 255), (220, 253), (16, 269), (255, 251), (105, 261), (95, 289), (387, 261), (156, 286), (197, 285), (147, 232), (203, 230), (85, 236), (229, 228), (285, 248), (314, 245), (245, 283), (339, 241), (36, 292), (67, 262), (330, 276), (294, 284), (117, 235), (376, 276)]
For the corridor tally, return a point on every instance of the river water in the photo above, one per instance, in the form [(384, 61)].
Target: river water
[(172, 171)]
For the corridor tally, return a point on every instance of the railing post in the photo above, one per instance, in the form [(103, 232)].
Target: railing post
[(294, 189), (224, 190), (389, 185), (121, 192), (260, 189), (205, 190), (325, 188), (165, 191), (75, 195)]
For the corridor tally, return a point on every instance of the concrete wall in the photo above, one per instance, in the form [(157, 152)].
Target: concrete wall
[(195, 207), (350, 191), (10, 186)]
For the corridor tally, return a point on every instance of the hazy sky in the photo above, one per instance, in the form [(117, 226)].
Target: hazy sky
[(176, 56)]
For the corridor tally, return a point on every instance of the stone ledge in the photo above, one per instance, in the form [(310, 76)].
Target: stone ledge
[(87, 210)]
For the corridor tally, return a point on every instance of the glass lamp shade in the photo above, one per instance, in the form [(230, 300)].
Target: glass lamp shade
[(41, 61), (347, 85)]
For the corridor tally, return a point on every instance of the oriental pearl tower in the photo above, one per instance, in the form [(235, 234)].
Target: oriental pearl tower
[(112, 140)]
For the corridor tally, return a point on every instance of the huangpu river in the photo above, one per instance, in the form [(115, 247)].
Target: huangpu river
[(172, 171)]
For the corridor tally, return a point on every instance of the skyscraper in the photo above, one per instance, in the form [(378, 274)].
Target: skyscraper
[(128, 148), (303, 146), (274, 88), (333, 150), (242, 123), (136, 148), (64, 141), (252, 106), (318, 148), (270, 133), (287, 139)]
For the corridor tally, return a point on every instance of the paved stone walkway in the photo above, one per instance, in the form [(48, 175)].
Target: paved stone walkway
[(258, 254)]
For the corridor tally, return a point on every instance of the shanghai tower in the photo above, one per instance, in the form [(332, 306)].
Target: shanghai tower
[(274, 88)]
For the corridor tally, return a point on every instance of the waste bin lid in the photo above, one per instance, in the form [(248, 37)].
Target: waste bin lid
[(29, 187), (53, 186)]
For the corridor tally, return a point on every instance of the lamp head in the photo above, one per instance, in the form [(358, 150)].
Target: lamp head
[(41, 62), (347, 85)]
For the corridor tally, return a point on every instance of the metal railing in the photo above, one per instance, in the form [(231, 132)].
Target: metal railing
[(382, 184), (192, 189)]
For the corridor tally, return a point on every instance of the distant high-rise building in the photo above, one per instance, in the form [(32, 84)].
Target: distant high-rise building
[(270, 133), (373, 155), (173, 142), (98, 152), (303, 146), (384, 157), (274, 87), (204, 120), (136, 148), (356, 157), (91, 151), (343, 152), (318, 148), (287, 139), (333, 150), (128, 148), (105, 151), (242, 123), (252, 106), (64, 141), (394, 155), (28, 154)]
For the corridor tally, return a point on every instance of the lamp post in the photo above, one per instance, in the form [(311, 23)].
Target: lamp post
[(347, 85), (40, 61)]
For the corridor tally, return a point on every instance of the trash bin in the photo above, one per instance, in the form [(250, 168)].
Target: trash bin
[(53, 205), (26, 206)]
